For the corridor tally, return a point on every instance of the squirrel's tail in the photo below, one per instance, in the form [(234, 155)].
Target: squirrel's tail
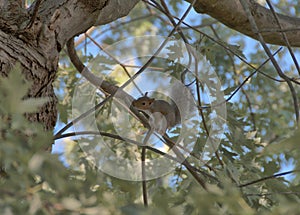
[(183, 103)]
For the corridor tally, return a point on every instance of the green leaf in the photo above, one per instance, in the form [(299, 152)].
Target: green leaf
[(287, 145)]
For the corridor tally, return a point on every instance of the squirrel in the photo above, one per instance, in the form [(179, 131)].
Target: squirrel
[(162, 114)]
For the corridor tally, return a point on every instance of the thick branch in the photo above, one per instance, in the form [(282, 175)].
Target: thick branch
[(231, 13), (72, 17)]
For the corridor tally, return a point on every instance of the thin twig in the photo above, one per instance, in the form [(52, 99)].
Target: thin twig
[(252, 115), (273, 193), (201, 25), (268, 177), (145, 196), (284, 36)]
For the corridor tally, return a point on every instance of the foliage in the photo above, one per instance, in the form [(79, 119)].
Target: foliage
[(259, 139)]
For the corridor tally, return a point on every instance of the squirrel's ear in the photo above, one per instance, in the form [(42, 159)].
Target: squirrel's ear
[(146, 93)]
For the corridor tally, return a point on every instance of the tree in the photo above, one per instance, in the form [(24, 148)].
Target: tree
[(39, 82)]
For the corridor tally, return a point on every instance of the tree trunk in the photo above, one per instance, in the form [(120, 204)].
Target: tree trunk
[(39, 68), (36, 50)]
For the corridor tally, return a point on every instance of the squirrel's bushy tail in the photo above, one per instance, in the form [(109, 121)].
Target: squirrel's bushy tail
[(183, 103)]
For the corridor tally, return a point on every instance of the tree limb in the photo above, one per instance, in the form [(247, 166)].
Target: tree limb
[(231, 14), (69, 18)]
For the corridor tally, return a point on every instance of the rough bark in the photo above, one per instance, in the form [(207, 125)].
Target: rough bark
[(231, 14)]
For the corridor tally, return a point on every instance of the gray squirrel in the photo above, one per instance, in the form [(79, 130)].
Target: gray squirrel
[(164, 115)]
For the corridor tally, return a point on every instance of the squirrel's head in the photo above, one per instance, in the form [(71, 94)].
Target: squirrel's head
[(143, 103)]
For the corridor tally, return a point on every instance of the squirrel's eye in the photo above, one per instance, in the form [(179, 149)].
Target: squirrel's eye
[(144, 103)]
